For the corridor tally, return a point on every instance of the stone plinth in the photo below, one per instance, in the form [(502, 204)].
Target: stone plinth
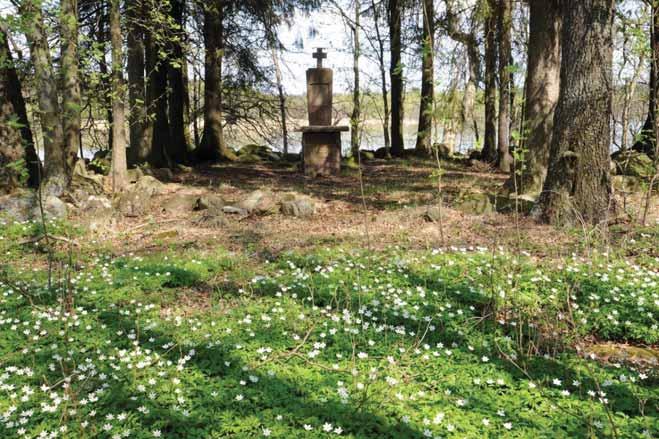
[(319, 96), (321, 148)]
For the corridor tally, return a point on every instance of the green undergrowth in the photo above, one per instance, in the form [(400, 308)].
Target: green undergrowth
[(332, 343)]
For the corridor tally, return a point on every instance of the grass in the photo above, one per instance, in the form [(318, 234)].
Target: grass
[(335, 342)]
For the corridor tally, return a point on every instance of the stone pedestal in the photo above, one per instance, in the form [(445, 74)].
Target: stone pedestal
[(321, 148)]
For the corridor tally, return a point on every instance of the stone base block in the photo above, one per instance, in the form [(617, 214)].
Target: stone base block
[(321, 153)]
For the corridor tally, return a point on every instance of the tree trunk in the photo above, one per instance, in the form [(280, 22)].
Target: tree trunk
[(577, 188), (12, 155), (355, 122), (489, 153), (102, 39), (383, 79), (71, 104), (178, 144), (157, 99), (424, 134), (396, 74), (119, 171), (504, 24), (281, 95), (57, 157), (542, 90), (16, 114), (212, 145), (648, 136), (141, 129)]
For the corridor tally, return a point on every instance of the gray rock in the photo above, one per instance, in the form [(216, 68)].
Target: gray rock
[(149, 185), (213, 221), (53, 208), (179, 203), (133, 203), (210, 202), (299, 206), (432, 214), (233, 210), (17, 206), (134, 175), (474, 203), (259, 202)]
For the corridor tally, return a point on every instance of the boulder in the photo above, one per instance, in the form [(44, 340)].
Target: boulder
[(233, 210), (17, 206), (134, 175), (296, 205), (432, 214), (179, 204), (53, 208), (133, 202), (148, 185), (210, 202), (474, 203), (382, 153), (211, 221), (367, 155), (350, 163), (635, 164), (259, 202), (255, 152), (509, 204)]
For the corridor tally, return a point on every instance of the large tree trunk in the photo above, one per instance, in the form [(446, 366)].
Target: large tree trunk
[(396, 74), (141, 128), (178, 145), (12, 155), (156, 92), (648, 138), (57, 157), (577, 187), (119, 171), (71, 104), (424, 134), (355, 123), (504, 24), (213, 146), (489, 153), (15, 113), (542, 90), (383, 78)]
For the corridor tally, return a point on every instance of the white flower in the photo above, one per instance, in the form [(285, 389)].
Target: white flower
[(327, 427), (308, 427), (239, 397), (266, 432), (156, 433), (508, 425)]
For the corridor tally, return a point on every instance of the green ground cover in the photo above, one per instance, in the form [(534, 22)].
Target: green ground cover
[(333, 343)]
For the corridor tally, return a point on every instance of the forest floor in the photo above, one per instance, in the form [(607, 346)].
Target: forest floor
[(363, 320)]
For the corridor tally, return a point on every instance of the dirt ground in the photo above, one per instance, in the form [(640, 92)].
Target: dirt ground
[(384, 207)]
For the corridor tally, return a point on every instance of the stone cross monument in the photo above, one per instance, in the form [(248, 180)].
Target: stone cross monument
[(321, 141)]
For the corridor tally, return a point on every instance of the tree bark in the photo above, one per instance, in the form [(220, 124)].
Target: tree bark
[(542, 91), (57, 157), (157, 97), (213, 146), (12, 155), (141, 128), (577, 188), (71, 103), (648, 137), (119, 170), (424, 134), (396, 74), (489, 153), (178, 144), (355, 122), (16, 113), (383, 79), (281, 95), (504, 24)]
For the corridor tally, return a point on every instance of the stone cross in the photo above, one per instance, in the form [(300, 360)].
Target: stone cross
[(319, 55)]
